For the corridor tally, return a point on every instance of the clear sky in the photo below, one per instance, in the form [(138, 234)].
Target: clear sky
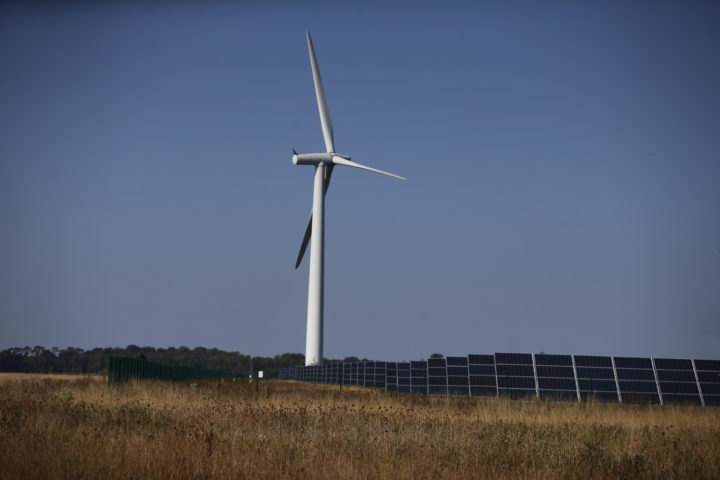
[(563, 165)]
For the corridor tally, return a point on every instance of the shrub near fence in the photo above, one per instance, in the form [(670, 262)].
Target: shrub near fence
[(121, 370)]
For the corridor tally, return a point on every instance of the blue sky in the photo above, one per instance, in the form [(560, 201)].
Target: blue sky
[(563, 163)]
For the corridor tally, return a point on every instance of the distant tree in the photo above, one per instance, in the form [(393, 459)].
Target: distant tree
[(77, 360), (437, 355)]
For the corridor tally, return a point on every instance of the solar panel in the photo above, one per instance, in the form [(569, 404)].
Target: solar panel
[(636, 378), (558, 360), (437, 376), (370, 374), (515, 374), (596, 378), (457, 374), (418, 377), (708, 374), (380, 375), (481, 375), (514, 358), (592, 361), (403, 377), (391, 383), (337, 377), (633, 362), (481, 359), (673, 364), (347, 376)]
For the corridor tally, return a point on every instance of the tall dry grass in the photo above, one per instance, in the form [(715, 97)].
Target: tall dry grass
[(80, 429)]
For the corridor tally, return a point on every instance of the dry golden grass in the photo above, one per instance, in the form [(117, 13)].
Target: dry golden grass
[(11, 376), (52, 428)]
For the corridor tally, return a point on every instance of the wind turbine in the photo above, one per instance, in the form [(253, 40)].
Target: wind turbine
[(324, 163)]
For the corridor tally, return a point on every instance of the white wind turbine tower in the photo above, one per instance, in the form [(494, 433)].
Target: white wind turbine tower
[(324, 163)]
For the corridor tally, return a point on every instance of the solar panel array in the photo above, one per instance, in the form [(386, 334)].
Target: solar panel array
[(526, 375)]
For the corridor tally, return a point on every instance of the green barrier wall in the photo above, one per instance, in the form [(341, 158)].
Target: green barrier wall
[(121, 370)]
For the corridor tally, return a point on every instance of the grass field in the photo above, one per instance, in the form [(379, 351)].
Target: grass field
[(60, 427)]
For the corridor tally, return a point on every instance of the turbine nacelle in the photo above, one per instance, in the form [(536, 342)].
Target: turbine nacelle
[(316, 158)]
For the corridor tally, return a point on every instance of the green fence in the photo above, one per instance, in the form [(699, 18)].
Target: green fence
[(121, 370)]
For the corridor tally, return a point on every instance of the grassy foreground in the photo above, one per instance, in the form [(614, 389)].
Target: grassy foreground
[(77, 428)]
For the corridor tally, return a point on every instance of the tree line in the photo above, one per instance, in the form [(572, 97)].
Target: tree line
[(76, 360)]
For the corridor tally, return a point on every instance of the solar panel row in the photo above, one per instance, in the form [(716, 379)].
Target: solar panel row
[(517, 375)]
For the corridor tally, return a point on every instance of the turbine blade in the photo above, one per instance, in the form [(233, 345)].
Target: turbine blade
[(337, 160), (308, 229), (322, 103), (328, 174), (305, 241)]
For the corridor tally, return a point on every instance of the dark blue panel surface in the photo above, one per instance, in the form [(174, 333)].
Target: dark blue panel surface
[(436, 362), (516, 382), (634, 374), (708, 365), (457, 361), (514, 358), (457, 371), (482, 380), (556, 383), (636, 386), (712, 400), (557, 360), (563, 372), (482, 369), (458, 381), (710, 388), (676, 375), (673, 364), (515, 370), (437, 390), (437, 381), (633, 362), (482, 359), (709, 376), (589, 372), (592, 361), (678, 387), (436, 372)]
